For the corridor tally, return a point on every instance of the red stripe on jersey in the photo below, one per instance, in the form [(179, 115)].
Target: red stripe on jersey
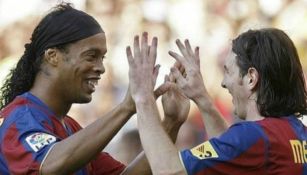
[(110, 166), (18, 163), (280, 132), (249, 162)]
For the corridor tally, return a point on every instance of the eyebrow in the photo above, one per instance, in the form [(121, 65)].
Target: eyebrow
[(96, 50)]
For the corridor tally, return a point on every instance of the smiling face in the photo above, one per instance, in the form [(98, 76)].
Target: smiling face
[(236, 85), (80, 69)]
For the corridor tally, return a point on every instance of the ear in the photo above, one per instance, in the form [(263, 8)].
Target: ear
[(52, 56), (252, 78)]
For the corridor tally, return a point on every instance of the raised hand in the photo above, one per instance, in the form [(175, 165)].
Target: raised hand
[(176, 105), (142, 70), (191, 82), (193, 87)]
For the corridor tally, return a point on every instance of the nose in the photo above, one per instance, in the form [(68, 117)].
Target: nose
[(99, 67)]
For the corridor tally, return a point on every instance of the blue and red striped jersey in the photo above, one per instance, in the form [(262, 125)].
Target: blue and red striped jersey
[(272, 146), (29, 129)]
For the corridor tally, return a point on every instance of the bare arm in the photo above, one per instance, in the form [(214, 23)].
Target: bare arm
[(193, 87), (160, 151), (140, 164), (77, 150), (176, 109)]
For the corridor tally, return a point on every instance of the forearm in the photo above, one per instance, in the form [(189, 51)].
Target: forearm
[(171, 128), (79, 149), (160, 151), (214, 122), (140, 164)]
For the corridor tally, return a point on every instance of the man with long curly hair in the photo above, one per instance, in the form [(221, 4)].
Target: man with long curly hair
[(61, 66)]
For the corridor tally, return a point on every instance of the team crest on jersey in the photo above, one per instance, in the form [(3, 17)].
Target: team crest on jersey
[(39, 140), (204, 151)]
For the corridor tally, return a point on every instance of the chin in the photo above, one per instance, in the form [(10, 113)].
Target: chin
[(242, 118), (84, 99), (239, 115)]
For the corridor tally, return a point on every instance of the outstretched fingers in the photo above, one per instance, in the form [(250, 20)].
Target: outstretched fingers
[(189, 57), (182, 48), (193, 55), (180, 59), (136, 49), (197, 58), (142, 60), (153, 50), (143, 52), (129, 55), (188, 48), (144, 44)]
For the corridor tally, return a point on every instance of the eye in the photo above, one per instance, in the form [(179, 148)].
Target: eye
[(90, 57), (226, 71)]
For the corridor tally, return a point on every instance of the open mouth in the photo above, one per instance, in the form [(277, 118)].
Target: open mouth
[(91, 84)]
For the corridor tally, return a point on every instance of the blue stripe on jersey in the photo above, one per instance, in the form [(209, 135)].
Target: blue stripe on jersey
[(38, 102), (3, 166)]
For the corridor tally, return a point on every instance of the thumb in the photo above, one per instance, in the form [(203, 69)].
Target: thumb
[(155, 73), (162, 89)]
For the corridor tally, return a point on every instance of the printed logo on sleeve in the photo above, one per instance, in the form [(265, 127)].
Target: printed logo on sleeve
[(39, 140), (204, 151)]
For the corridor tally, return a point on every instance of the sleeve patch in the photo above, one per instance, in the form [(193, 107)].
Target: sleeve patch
[(204, 151), (39, 140)]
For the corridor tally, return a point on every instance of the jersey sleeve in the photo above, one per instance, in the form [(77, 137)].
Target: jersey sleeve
[(104, 164), (240, 150), (25, 143)]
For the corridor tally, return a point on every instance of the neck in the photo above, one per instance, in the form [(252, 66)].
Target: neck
[(46, 92), (252, 112)]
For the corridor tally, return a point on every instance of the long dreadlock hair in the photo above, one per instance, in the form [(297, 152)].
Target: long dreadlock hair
[(21, 78)]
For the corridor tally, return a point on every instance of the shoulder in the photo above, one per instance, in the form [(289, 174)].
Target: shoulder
[(239, 138), (246, 130), (233, 149), (22, 119), (275, 126)]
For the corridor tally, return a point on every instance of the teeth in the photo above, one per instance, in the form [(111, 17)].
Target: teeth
[(92, 82)]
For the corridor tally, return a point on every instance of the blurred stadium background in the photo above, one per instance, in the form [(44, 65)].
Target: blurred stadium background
[(210, 24)]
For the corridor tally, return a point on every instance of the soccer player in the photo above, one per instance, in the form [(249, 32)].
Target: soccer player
[(61, 66), (264, 76)]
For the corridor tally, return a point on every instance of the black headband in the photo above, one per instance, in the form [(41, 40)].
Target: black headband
[(65, 27)]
